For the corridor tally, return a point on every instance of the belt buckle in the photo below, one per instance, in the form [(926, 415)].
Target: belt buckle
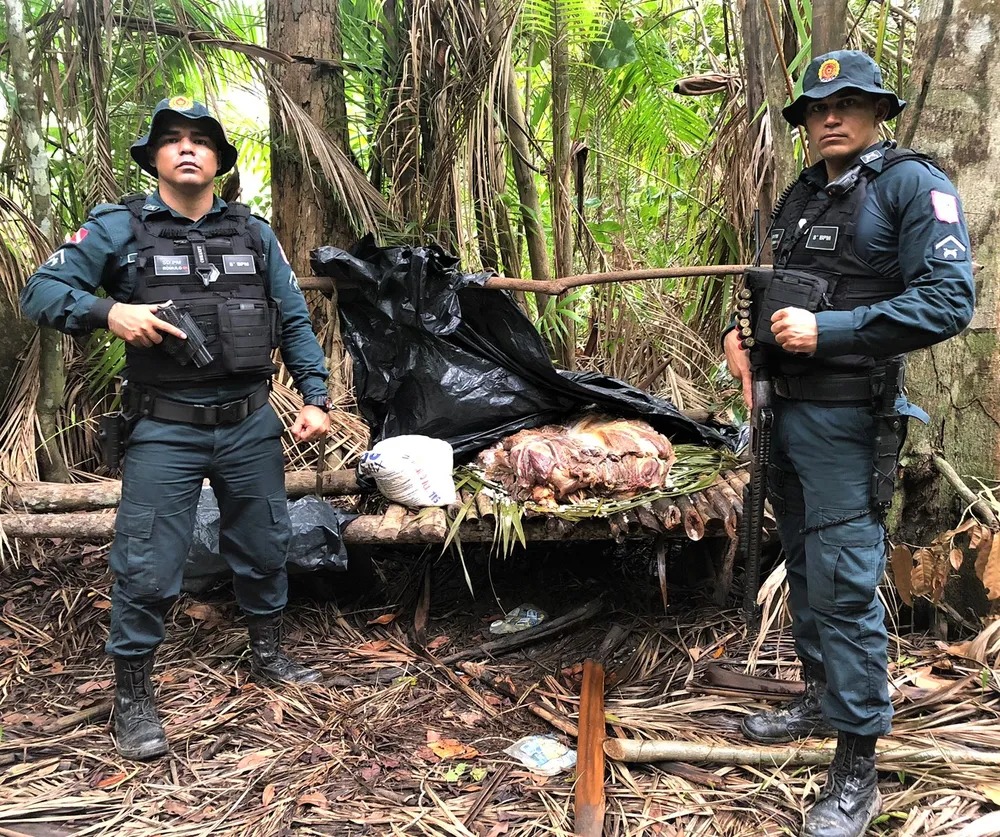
[(232, 412)]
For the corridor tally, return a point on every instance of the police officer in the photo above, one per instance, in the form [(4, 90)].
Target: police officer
[(224, 267), (878, 233)]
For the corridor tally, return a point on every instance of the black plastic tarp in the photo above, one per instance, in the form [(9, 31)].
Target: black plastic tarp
[(315, 541), (436, 354)]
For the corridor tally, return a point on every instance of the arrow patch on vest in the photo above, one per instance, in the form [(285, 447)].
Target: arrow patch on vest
[(171, 266), (823, 238), (950, 249), (238, 264)]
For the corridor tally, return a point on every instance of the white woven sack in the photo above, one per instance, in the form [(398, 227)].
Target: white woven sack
[(414, 471)]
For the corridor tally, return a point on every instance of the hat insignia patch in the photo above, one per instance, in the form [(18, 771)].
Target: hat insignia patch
[(180, 103), (829, 70)]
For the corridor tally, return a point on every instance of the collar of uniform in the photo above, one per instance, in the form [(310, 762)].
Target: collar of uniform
[(815, 175), (873, 157), (154, 203)]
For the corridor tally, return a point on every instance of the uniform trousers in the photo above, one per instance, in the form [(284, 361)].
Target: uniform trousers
[(820, 474), (165, 464)]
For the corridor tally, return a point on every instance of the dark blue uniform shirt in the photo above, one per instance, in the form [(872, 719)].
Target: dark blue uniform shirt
[(61, 294), (910, 226)]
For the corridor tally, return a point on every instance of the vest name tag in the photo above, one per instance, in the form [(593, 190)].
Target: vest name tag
[(823, 238), (239, 264), (171, 266)]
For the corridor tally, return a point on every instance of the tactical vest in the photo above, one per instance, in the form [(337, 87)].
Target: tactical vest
[(217, 272), (824, 245)]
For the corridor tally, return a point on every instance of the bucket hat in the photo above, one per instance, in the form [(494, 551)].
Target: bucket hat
[(196, 112), (844, 69)]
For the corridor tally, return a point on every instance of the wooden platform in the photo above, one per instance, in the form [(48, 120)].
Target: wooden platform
[(85, 512)]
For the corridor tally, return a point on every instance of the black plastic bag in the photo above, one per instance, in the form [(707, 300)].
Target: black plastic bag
[(436, 354), (315, 542)]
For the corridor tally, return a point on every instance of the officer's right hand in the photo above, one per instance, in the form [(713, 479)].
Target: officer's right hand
[(138, 325), (738, 362)]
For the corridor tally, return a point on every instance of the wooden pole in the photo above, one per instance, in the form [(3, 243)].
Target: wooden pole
[(99, 527), (628, 750), (558, 286), (589, 802), (40, 497)]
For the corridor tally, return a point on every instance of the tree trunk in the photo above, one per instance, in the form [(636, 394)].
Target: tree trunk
[(766, 84), (14, 338), (954, 114), (509, 246), (829, 25), (562, 206), (524, 178), (51, 464), (305, 218), (509, 105)]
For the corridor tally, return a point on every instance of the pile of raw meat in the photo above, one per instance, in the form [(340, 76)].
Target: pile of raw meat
[(595, 457)]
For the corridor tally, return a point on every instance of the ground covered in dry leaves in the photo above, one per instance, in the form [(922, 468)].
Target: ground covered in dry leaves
[(396, 741)]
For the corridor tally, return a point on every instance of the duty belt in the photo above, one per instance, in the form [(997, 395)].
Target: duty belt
[(837, 387), (147, 403)]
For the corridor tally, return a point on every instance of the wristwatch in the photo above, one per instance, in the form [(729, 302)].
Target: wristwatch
[(324, 402)]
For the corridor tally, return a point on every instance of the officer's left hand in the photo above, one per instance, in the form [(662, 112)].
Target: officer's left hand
[(311, 423), (795, 330)]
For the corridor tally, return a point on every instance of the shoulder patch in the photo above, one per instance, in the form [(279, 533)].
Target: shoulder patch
[(56, 259), (950, 249), (945, 207), (78, 236)]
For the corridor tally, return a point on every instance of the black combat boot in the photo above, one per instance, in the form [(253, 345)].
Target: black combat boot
[(268, 663), (850, 800), (138, 732), (801, 718)]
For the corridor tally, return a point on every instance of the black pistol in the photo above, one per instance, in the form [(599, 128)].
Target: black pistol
[(192, 350)]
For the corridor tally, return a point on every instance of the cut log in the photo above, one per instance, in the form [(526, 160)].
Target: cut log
[(484, 505), (729, 495), (706, 509), (392, 522), (648, 520), (694, 526), (723, 509), (41, 497), (668, 513), (98, 527)]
